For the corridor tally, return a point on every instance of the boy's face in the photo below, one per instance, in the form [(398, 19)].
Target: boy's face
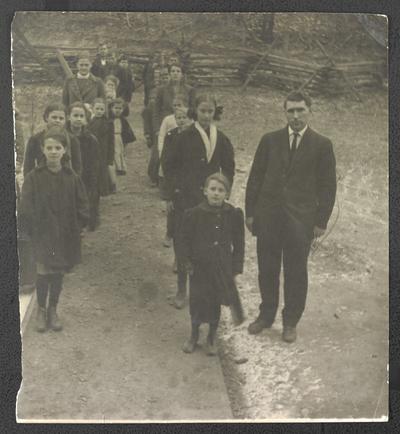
[(53, 150), (164, 78), (177, 104), (123, 64), (84, 66), (56, 118), (181, 119), (117, 110), (109, 85), (99, 109), (175, 73), (77, 117), (215, 193)]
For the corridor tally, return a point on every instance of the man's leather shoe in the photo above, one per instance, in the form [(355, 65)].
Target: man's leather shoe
[(258, 326), (289, 334)]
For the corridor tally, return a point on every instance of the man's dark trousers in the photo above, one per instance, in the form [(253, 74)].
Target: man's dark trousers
[(288, 240)]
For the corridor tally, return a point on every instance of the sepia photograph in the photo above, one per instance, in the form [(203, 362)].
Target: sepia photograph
[(202, 216)]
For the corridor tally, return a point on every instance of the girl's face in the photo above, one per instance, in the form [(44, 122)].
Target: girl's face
[(215, 193), (181, 119), (123, 64), (117, 110), (110, 85), (56, 118), (53, 150), (175, 74), (205, 113), (177, 104), (77, 117), (99, 109)]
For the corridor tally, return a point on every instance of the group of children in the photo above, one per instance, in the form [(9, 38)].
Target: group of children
[(76, 159)]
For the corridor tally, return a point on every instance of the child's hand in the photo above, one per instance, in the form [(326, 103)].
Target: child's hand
[(170, 206)]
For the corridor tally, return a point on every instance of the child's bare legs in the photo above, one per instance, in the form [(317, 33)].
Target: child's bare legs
[(42, 289), (179, 301), (55, 290), (190, 345)]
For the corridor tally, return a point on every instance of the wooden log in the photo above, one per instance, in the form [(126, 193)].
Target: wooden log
[(67, 70)]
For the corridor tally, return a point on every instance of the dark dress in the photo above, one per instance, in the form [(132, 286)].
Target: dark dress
[(52, 210), (213, 245), (163, 105), (187, 162), (34, 155), (103, 130), (90, 172), (126, 85)]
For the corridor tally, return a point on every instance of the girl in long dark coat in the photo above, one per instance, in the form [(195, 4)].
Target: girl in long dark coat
[(77, 125), (52, 210), (200, 150), (213, 254), (103, 130)]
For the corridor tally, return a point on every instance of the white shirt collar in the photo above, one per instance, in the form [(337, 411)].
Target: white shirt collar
[(82, 76), (300, 133)]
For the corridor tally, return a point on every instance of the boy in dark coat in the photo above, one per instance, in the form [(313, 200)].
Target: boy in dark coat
[(126, 85), (101, 67), (78, 118), (83, 87), (213, 254), (103, 130), (52, 211)]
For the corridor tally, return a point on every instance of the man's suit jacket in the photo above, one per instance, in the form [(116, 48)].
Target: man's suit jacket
[(94, 88), (304, 188)]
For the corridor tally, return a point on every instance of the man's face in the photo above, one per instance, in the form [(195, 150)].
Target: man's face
[(103, 51), (84, 66), (297, 114)]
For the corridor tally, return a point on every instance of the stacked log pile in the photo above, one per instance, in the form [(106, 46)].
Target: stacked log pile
[(211, 69)]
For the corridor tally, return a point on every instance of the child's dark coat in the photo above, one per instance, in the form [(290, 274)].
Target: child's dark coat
[(52, 211), (212, 243), (103, 130), (126, 85)]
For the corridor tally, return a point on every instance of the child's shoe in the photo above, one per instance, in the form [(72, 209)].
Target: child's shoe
[(211, 348), (189, 346), (167, 241), (41, 324), (54, 321)]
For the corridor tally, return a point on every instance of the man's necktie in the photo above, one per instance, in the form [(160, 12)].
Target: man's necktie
[(293, 147)]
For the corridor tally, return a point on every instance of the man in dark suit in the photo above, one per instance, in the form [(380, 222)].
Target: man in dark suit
[(290, 195)]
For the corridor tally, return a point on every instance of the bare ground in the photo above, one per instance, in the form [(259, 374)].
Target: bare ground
[(121, 335)]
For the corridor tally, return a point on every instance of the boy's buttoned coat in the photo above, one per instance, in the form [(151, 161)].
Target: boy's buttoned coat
[(89, 89)]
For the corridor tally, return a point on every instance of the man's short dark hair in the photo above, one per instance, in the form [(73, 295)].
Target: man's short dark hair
[(298, 96)]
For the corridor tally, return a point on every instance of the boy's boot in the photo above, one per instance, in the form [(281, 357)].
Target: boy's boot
[(41, 324), (54, 321), (42, 288), (55, 290), (180, 297)]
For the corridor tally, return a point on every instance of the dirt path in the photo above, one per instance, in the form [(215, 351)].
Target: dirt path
[(119, 356)]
